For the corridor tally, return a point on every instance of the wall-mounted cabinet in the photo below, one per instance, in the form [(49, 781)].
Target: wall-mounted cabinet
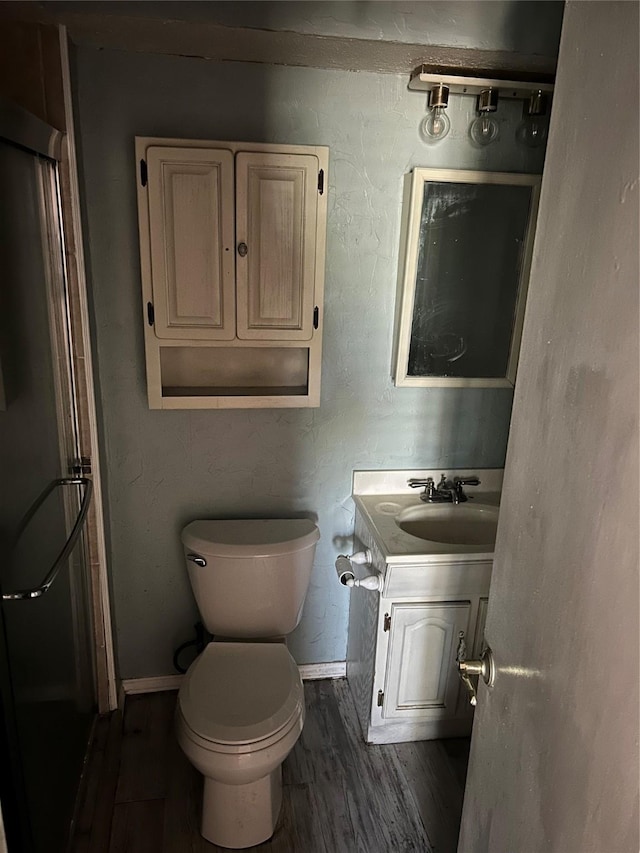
[(232, 244)]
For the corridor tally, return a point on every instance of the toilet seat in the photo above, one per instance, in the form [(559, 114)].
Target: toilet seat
[(239, 749), (239, 697)]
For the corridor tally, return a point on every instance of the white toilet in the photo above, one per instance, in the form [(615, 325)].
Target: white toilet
[(241, 704)]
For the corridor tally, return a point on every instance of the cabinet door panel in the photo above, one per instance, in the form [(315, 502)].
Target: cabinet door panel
[(422, 680), (276, 200), (191, 230)]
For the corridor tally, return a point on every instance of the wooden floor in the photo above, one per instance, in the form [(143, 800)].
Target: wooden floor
[(140, 794)]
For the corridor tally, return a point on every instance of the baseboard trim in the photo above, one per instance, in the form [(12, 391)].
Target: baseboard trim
[(160, 683), (313, 671), (155, 684)]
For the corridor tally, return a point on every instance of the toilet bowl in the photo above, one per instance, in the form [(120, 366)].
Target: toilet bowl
[(241, 703), (240, 713)]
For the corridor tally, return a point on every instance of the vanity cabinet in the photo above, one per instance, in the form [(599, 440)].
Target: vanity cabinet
[(401, 659), (232, 239)]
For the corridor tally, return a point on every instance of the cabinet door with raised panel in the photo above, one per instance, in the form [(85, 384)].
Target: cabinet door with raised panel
[(276, 210), (422, 679), (191, 227)]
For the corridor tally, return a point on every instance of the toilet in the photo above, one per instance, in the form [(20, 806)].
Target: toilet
[(241, 704)]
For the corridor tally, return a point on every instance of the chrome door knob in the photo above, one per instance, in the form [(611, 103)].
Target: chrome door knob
[(485, 667)]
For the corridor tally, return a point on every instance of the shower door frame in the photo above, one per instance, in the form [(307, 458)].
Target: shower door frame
[(109, 693)]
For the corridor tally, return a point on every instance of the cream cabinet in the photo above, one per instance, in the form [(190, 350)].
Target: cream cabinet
[(421, 679), (401, 658), (232, 242), (191, 238)]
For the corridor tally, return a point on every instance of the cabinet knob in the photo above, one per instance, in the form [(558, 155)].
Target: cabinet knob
[(242, 249)]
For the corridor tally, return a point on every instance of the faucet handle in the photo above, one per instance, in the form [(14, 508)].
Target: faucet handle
[(459, 482), (467, 481), (429, 487)]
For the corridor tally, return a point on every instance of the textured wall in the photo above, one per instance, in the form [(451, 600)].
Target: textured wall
[(524, 26), (167, 468), (489, 24)]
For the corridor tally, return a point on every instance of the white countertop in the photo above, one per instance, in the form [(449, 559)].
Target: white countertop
[(382, 495)]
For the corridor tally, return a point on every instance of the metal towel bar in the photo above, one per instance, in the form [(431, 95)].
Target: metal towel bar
[(36, 592)]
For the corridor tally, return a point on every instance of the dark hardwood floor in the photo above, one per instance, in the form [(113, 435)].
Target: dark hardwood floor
[(141, 795)]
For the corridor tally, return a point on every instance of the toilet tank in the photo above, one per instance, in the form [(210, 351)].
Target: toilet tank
[(250, 577)]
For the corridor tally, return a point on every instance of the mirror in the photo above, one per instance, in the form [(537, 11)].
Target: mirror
[(465, 258)]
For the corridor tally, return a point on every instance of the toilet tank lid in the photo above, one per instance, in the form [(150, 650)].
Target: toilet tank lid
[(270, 537)]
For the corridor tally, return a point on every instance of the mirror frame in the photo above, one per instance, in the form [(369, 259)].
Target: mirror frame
[(415, 183)]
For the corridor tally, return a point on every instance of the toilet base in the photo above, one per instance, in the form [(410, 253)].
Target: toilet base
[(238, 816)]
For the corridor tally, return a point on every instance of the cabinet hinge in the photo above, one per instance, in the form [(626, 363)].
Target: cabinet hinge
[(316, 317), (143, 172), (387, 622), (321, 181), (151, 314), (380, 698), (80, 466)]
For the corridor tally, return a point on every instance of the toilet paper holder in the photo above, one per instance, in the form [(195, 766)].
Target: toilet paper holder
[(346, 576)]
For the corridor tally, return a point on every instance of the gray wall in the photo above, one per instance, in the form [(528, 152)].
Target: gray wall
[(166, 468), (521, 26)]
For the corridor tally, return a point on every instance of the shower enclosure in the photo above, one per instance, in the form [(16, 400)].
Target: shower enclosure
[(47, 692)]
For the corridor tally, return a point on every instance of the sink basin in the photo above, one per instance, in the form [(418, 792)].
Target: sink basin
[(451, 524)]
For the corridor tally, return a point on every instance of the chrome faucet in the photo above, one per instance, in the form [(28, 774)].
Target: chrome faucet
[(447, 491)]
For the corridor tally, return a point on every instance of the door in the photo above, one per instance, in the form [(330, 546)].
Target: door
[(46, 678), (421, 677), (191, 229), (276, 212), (554, 754)]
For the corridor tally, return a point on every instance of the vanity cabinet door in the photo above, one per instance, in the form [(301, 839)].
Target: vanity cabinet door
[(191, 230), (421, 678), (276, 202)]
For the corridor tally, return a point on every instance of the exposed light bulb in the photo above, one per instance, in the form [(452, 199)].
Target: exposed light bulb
[(532, 130), (435, 126), (484, 129)]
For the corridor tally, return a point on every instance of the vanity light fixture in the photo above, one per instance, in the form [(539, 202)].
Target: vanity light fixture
[(439, 81), (484, 129), (532, 130), (436, 124)]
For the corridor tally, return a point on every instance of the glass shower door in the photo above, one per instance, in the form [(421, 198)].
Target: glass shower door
[(46, 679)]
